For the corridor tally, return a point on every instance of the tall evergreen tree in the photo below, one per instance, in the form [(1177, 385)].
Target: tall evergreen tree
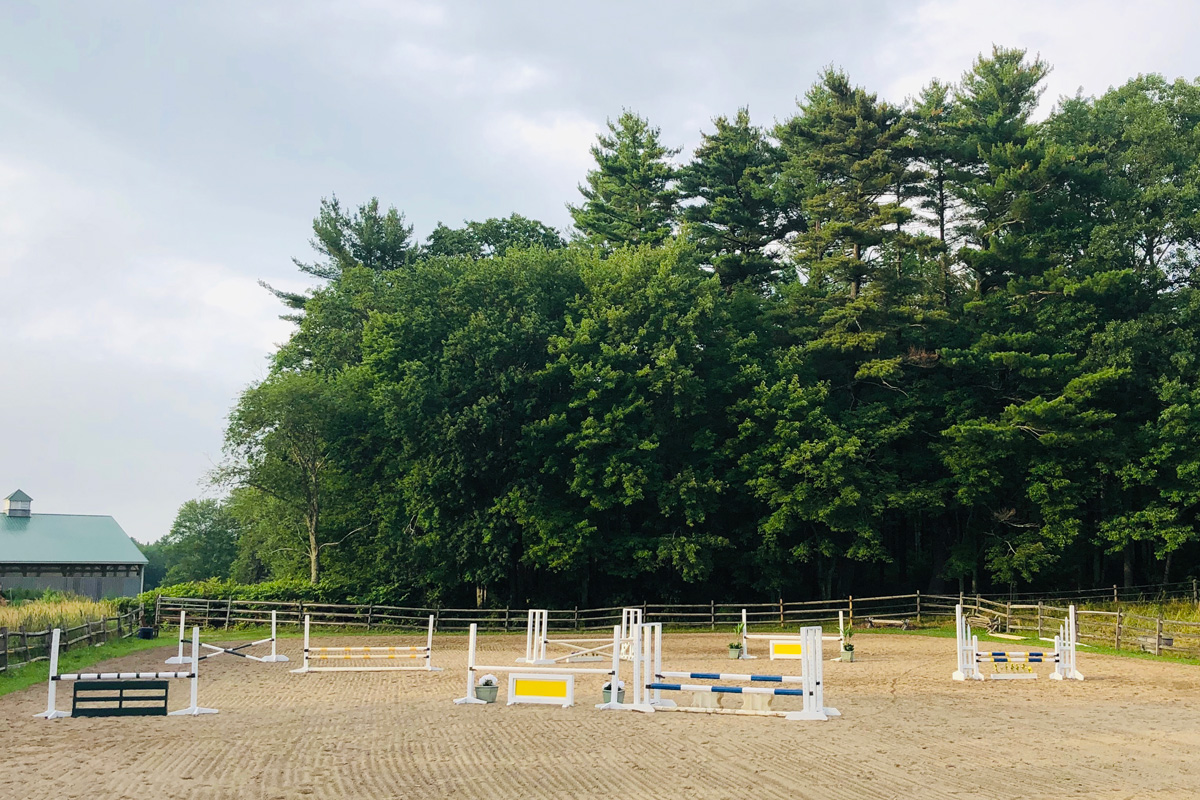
[(733, 174), (840, 145), (630, 198)]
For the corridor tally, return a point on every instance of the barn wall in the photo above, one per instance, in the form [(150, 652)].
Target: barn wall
[(94, 586)]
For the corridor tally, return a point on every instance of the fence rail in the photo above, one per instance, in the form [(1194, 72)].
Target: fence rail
[(1117, 628), (21, 647)]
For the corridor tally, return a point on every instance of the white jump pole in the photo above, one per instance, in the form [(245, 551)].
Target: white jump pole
[(429, 646), (179, 658), (51, 712), (275, 655), (194, 709), (470, 697)]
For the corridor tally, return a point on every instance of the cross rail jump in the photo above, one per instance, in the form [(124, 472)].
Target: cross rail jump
[(274, 656), (537, 639)]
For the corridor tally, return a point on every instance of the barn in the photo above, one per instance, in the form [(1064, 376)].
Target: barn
[(82, 553)]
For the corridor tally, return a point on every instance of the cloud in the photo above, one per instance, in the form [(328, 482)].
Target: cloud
[(555, 142), (1091, 45)]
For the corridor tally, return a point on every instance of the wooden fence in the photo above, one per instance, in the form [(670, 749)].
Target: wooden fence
[(1118, 629), (21, 647)]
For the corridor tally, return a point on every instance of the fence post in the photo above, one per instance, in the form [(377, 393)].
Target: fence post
[(437, 615), (1195, 595), (851, 600), (24, 640), (960, 598), (370, 613), (576, 617), (918, 606), (1115, 598), (506, 610), (228, 611), (1117, 644), (1039, 619), (3, 649), (1158, 637), (1008, 618), (712, 614), (781, 613)]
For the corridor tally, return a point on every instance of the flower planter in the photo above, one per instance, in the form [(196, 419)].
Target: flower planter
[(620, 695), (735, 653), (847, 655), (487, 693)]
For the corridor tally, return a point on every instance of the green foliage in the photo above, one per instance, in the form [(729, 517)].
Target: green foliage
[(630, 198), (734, 175), (202, 543), (889, 347)]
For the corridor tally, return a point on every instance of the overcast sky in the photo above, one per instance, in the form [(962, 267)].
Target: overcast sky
[(157, 159)]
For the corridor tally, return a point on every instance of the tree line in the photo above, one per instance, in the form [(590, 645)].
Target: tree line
[(935, 344)]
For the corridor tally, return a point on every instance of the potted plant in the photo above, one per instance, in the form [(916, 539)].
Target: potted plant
[(735, 648), (620, 691), (486, 688), (847, 647)]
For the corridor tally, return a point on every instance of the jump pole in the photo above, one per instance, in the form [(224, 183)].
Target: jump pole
[(194, 709), (368, 653), (970, 656), (274, 657), (747, 636), (549, 671)]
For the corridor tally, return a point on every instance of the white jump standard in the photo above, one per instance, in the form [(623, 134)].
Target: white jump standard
[(787, 645), (650, 681), (542, 685), (970, 656), (274, 657), (194, 709), (537, 638), (369, 653)]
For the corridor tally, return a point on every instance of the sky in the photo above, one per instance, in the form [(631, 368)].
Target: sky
[(157, 160)]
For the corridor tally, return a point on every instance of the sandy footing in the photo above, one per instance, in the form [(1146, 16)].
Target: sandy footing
[(1131, 730)]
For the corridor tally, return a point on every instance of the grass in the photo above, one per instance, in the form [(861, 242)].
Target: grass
[(13, 680), (40, 615)]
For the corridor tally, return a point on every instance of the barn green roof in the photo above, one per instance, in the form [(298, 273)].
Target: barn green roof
[(65, 539)]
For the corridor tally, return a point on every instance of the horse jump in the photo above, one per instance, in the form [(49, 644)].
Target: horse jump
[(537, 637), (970, 656), (369, 653), (193, 710), (233, 651), (786, 640), (649, 682), (549, 685)]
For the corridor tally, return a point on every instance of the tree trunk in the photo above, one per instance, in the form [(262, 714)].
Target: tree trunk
[(314, 549), (1128, 566)]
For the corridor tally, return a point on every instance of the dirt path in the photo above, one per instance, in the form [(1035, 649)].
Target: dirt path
[(1131, 730)]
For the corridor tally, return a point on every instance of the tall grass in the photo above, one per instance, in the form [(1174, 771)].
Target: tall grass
[(51, 612), (1181, 610)]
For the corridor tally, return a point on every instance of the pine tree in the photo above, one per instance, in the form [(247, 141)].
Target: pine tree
[(840, 147), (1004, 171), (932, 145), (733, 175), (630, 198)]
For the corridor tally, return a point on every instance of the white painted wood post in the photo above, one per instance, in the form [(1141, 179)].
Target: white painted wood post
[(51, 712)]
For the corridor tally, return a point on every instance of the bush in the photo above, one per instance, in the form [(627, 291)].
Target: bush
[(282, 591)]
